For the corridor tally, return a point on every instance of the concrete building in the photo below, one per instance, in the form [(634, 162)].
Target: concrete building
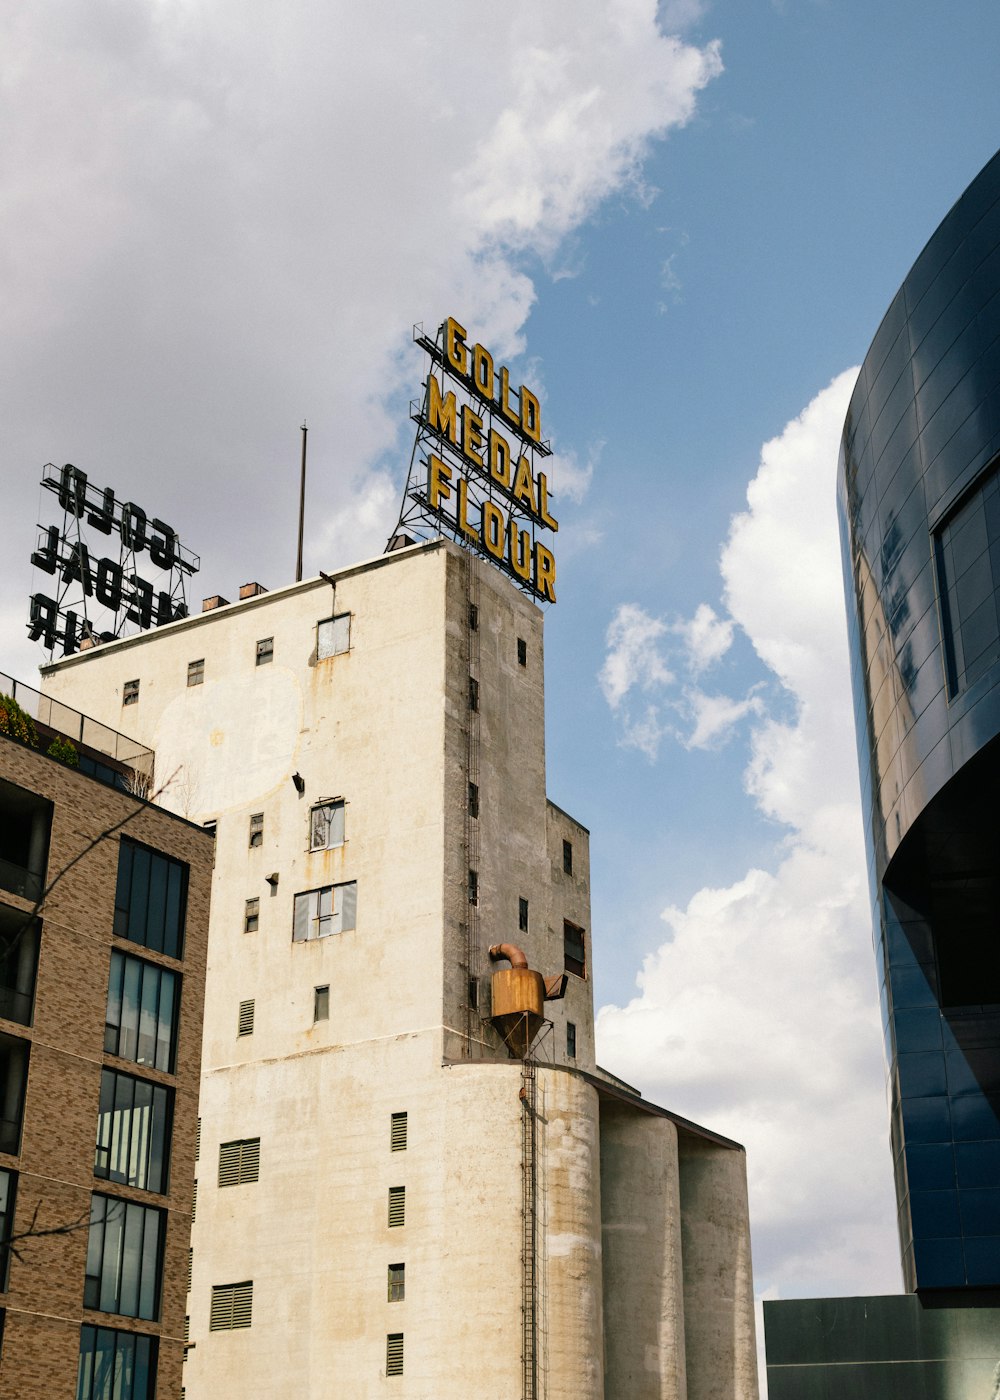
[(391, 1199), (919, 496), (103, 937)]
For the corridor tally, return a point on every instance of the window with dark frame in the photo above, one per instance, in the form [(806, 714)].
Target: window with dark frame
[(397, 1283), (265, 651), (107, 1353), (196, 672), (522, 652), (14, 1055), (574, 948), (130, 693), (134, 1122), (321, 1004), (257, 829), (333, 636), (570, 1040), (150, 899), (522, 914), (124, 1258), (140, 1023), (251, 915), (567, 857)]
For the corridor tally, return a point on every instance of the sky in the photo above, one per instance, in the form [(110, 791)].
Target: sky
[(681, 225)]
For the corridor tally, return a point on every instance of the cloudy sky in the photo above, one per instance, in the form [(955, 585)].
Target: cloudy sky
[(682, 225)]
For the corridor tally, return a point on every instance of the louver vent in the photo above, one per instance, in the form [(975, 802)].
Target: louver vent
[(397, 1205), (232, 1305), (239, 1162), (244, 1025), (397, 1133), (394, 1354)]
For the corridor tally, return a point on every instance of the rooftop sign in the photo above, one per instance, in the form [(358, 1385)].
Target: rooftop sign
[(473, 472), (98, 596)]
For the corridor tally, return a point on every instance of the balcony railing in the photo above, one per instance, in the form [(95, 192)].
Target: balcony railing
[(89, 734)]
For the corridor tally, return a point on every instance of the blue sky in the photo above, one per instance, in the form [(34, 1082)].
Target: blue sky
[(683, 226)]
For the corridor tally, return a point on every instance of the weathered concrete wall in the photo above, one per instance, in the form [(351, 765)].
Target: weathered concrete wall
[(719, 1328), (643, 1270)]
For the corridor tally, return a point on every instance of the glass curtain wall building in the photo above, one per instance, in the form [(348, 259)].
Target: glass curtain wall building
[(919, 496)]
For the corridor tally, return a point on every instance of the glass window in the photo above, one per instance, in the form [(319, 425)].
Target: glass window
[(318, 913), (326, 826), (397, 1283), (141, 1018), (265, 651), (196, 672), (257, 829), (321, 1004), (13, 1081), (130, 693), (133, 1131), (570, 1040), (116, 1365), (18, 964), (151, 899), (8, 1194), (574, 948), (124, 1255), (251, 916), (333, 636)]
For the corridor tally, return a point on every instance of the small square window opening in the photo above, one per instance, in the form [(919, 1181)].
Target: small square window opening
[(522, 914), (333, 636), (130, 693), (196, 672), (265, 651)]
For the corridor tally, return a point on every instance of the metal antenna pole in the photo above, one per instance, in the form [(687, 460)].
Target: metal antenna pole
[(302, 505)]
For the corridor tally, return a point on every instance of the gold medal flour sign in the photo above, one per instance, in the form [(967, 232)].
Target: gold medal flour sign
[(475, 461)]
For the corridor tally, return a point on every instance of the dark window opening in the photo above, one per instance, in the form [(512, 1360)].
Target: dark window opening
[(19, 940), (473, 693), (574, 948), (321, 1004), (130, 693), (567, 858), (24, 840), (473, 618), (473, 800), (397, 1283), (965, 919), (473, 887), (474, 993), (8, 1195), (570, 1040), (522, 914), (522, 652), (257, 829)]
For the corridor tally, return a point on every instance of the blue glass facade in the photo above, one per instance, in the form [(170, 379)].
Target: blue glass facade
[(919, 498)]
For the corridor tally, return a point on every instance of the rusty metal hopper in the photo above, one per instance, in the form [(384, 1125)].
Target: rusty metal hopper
[(518, 996)]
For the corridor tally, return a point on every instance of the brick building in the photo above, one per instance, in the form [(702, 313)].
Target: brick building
[(103, 931)]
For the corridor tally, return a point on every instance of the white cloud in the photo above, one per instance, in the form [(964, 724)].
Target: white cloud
[(213, 226), (633, 657), (707, 637), (757, 1013), (715, 717)]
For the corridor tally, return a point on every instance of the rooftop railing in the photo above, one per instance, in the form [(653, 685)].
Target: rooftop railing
[(89, 733)]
